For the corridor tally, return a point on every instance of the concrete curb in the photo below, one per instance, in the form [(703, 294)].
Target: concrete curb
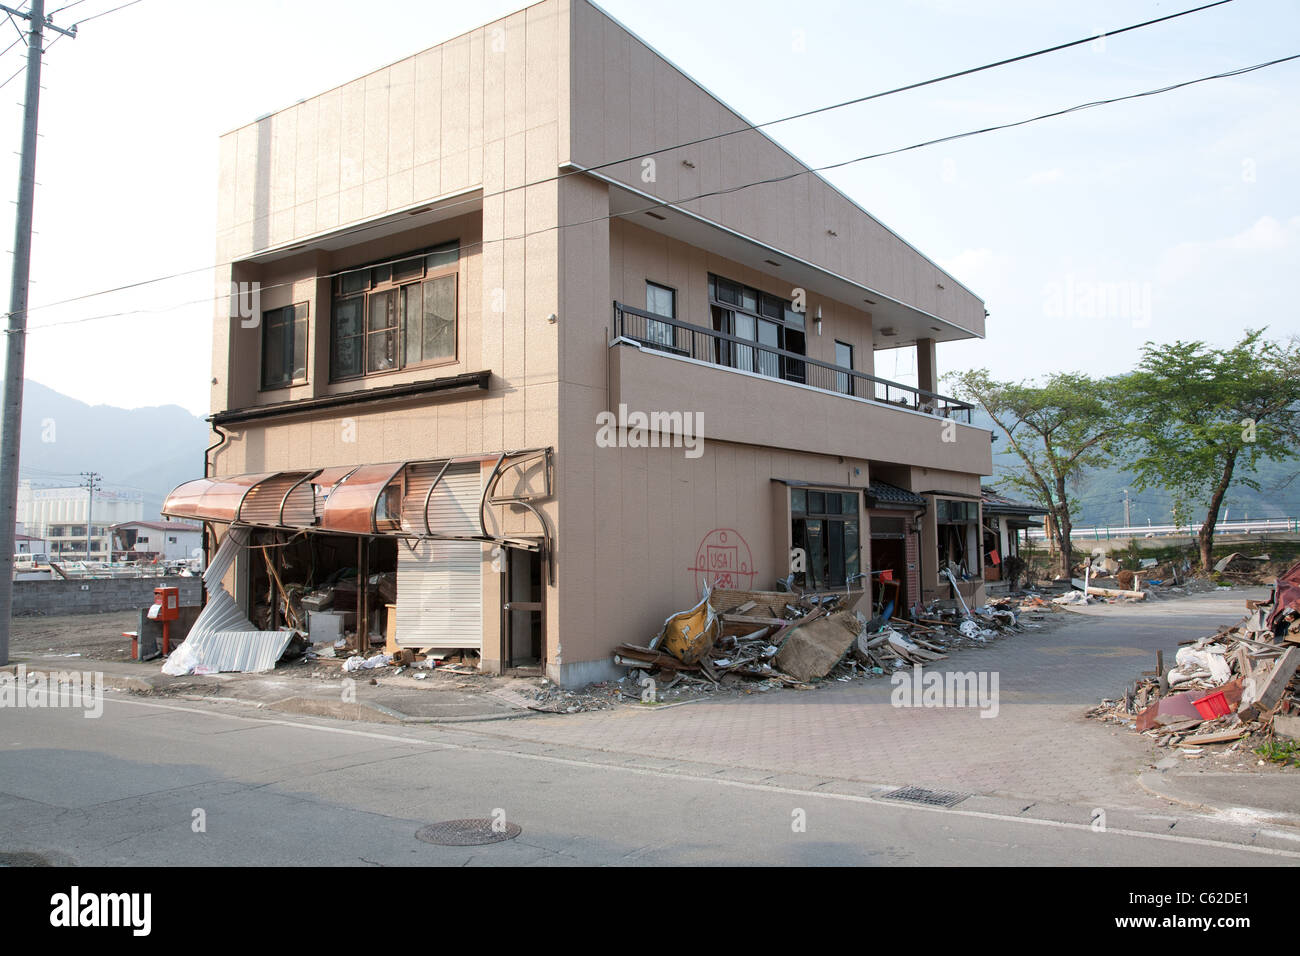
[(359, 712), (189, 688), (1166, 787)]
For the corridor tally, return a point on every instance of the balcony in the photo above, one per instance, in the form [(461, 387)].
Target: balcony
[(696, 342)]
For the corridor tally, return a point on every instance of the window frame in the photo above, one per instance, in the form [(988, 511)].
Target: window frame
[(382, 278), (767, 308), (824, 517), (668, 337), (292, 324), (844, 381)]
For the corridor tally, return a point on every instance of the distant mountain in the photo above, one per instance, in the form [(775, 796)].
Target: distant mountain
[(1100, 492), (151, 450)]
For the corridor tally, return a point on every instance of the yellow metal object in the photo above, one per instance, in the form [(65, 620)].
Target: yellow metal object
[(689, 635)]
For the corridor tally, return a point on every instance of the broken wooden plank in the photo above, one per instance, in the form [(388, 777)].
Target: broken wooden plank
[(1220, 737), (730, 618)]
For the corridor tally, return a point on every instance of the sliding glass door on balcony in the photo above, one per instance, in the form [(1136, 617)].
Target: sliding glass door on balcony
[(660, 300), (769, 363), (769, 322)]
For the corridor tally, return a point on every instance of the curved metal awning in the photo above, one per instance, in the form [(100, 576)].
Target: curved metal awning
[(212, 499), (406, 499), (353, 504), (272, 499)]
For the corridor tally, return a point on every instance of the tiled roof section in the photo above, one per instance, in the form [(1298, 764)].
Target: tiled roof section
[(881, 492), (995, 503)]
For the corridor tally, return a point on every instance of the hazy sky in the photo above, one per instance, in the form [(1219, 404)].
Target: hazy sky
[(1175, 216)]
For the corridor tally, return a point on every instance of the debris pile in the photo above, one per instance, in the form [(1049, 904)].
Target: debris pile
[(790, 638), (1222, 687)]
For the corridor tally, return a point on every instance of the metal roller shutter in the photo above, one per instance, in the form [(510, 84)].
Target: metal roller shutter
[(439, 584)]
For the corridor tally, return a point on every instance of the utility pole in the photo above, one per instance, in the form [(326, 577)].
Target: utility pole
[(1128, 523), (11, 425), (90, 484)]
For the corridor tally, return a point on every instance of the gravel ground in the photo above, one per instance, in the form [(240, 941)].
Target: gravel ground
[(94, 636)]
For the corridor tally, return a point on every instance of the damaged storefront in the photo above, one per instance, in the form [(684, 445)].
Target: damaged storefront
[(395, 558)]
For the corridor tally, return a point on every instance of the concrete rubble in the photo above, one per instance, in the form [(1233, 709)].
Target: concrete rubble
[(794, 639), (1228, 688)]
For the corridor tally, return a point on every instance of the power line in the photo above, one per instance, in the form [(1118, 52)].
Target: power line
[(98, 15), (717, 192), (704, 139)]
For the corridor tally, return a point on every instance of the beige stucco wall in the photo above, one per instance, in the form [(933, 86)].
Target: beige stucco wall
[(651, 510), (628, 101)]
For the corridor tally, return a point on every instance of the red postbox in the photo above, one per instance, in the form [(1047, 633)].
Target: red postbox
[(166, 608)]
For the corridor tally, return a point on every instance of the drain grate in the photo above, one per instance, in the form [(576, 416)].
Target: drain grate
[(467, 832), (929, 798)]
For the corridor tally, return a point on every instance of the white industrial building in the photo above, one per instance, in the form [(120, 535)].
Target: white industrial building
[(58, 515)]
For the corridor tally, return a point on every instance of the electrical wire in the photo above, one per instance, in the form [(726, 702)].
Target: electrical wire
[(742, 129), (98, 15), (717, 192)]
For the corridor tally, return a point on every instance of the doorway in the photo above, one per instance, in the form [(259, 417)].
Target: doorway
[(523, 618)]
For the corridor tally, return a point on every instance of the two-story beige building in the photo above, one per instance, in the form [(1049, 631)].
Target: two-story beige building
[(513, 334)]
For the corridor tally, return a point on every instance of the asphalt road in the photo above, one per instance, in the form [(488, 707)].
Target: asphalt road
[(132, 786)]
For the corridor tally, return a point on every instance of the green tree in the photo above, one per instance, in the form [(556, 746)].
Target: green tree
[(1203, 418), (1058, 428)]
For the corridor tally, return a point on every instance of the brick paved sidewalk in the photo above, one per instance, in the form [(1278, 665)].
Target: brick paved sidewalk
[(1038, 747)]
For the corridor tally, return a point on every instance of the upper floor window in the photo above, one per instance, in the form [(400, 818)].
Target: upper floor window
[(284, 346), (395, 315), (767, 320), (844, 359), (660, 300)]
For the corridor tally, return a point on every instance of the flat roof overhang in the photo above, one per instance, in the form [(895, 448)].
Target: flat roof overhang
[(410, 217), (670, 220)]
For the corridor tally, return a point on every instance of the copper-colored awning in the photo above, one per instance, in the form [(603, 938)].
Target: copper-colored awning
[(275, 499), (353, 502), (393, 498), (212, 499)]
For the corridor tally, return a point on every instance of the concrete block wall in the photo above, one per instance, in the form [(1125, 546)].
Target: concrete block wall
[(95, 595)]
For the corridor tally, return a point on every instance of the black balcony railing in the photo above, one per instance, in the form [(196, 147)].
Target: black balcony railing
[(720, 348)]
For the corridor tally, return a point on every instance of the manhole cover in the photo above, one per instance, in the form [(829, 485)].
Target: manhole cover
[(467, 832), (929, 798)]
